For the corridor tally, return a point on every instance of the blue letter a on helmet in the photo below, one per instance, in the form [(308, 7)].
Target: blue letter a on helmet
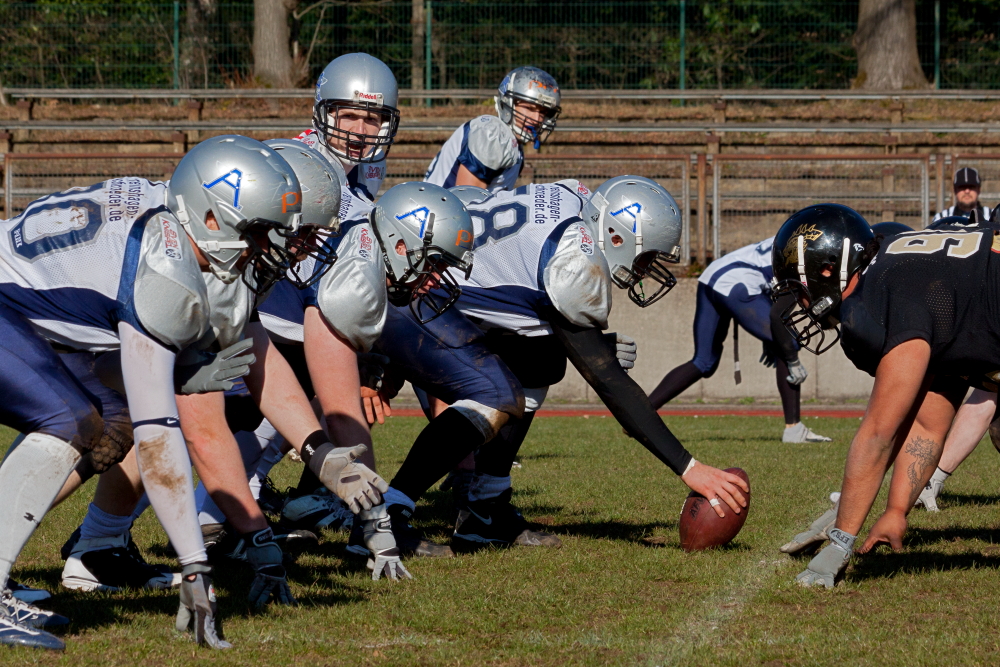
[(232, 179)]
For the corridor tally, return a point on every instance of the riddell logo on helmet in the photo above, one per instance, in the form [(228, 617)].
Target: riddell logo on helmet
[(360, 96)]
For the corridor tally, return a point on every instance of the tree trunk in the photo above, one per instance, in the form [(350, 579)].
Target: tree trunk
[(273, 64), (197, 52), (418, 23), (886, 42)]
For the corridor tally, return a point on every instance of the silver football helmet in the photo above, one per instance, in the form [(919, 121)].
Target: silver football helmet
[(320, 180), (363, 83), (424, 232), (470, 194), (534, 86), (249, 189), (639, 228)]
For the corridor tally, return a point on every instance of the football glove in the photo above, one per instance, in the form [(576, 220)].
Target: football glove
[(371, 368), (797, 373), (827, 566), (377, 528), (354, 483), (767, 356), (201, 372), (625, 349), (198, 607), (810, 539), (265, 556)]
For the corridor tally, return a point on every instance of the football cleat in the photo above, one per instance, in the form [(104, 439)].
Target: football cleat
[(28, 614), (316, 511), (496, 522), (800, 433), (458, 481), (111, 563), (27, 593), (271, 501), (13, 633)]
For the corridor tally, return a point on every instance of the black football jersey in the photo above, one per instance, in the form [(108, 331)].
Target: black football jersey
[(940, 286)]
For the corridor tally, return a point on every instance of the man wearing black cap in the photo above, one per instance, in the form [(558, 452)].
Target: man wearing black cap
[(967, 185)]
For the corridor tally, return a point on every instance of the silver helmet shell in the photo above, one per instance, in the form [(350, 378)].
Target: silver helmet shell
[(320, 180), (424, 232), (361, 82), (534, 86), (245, 185), (639, 227), (470, 194)]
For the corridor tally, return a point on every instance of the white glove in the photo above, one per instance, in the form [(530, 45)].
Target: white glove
[(201, 372), (354, 483), (797, 373), (825, 568), (385, 560), (625, 349), (265, 556), (810, 539), (198, 606)]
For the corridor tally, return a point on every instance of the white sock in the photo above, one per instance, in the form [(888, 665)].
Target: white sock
[(396, 497), (487, 486), (939, 476), (99, 523)]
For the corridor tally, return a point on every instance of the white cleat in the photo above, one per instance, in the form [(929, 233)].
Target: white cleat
[(800, 433), (108, 564), (928, 497)]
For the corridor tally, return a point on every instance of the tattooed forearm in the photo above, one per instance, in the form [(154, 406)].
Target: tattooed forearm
[(924, 452)]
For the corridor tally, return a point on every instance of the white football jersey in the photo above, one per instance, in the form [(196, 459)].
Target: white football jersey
[(78, 262), (485, 146), (364, 177), (749, 266), (532, 252)]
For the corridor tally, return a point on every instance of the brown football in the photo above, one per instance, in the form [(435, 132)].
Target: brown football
[(701, 528)]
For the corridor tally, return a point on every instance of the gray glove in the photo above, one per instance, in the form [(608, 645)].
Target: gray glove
[(197, 607), (354, 483), (201, 372), (384, 559), (625, 349), (809, 540), (264, 554), (797, 373), (825, 569), (371, 367)]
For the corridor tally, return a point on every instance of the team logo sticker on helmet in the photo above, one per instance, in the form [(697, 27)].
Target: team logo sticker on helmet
[(633, 211), (233, 179), (418, 214), (809, 232)]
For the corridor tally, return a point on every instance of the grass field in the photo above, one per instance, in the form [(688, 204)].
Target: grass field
[(619, 591)]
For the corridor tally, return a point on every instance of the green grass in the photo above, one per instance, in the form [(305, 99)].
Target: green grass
[(619, 591)]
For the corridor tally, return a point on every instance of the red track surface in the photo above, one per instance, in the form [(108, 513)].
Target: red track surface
[(694, 412)]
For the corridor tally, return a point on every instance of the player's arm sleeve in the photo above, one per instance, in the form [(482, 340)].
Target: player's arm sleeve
[(595, 358), (908, 318), (780, 335), (148, 375), (488, 148), (351, 296), (576, 277)]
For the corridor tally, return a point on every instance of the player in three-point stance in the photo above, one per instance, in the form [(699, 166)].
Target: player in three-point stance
[(916, 311)]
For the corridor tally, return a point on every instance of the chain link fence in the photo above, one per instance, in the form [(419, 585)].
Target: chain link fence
[(472, 43)]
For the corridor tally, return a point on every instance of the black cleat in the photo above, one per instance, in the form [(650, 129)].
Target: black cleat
[(409, 541), (112, 563), (496, 522)]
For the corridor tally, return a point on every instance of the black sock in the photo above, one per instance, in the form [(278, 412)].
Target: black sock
[(308, 483), (791, 394), (497, 456), (441, 446), (674, 383)]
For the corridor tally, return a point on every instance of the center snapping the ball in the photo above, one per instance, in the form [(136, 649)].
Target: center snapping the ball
[(701, 528)]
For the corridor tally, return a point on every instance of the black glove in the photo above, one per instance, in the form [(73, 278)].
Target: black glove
[(371, 367), (265, 556)]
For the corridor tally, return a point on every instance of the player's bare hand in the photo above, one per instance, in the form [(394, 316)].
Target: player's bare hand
[(889, 529), (376, 406), (714, 483)]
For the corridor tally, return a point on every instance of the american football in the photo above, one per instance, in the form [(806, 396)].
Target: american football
[(701, 528)]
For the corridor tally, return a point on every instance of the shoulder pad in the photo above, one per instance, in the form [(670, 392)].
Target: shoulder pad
[(351, 295), (169, 296), (577, 279), (493, 143)]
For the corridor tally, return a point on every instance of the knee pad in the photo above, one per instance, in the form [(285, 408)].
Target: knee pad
[(486, 419), (114, 444)]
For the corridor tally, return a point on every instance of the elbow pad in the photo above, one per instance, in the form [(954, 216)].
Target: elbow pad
[(351, 295), (169, 294), (577, 279)]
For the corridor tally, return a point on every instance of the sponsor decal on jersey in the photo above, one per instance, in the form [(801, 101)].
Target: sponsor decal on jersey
[(419, 217), (791, 248), (374, 172), (171, 239), (582, 190), (371, 98), (586, 242), (232, 178), (365, 244)]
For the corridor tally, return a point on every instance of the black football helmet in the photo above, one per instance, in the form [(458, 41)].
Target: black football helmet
[(815, 254), (887, 229), (958, 222)]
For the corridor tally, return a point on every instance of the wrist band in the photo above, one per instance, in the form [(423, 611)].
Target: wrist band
[(690, 465)]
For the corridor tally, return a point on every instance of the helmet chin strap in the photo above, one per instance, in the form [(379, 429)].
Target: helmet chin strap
[(601, 204), (843, 264), (802, 260)]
